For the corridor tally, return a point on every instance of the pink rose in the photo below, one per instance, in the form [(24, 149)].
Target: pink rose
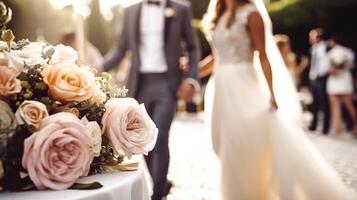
[(59, 153), (72, 110), (8, 82), (129, 127)]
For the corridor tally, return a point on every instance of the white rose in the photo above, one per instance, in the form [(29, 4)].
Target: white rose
[(30, 55), (3, 46), (64, 54), (7, 117), (31, 113), (99, 96), (95, 135)]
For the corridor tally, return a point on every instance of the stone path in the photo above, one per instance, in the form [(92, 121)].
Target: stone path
[(341, 153), (195, 169)]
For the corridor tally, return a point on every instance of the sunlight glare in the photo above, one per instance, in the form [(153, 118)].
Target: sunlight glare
[(106, 6)]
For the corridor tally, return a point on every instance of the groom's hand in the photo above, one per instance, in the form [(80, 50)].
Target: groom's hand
[(186, 91)]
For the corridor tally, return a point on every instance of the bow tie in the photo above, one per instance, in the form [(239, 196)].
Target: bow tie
[(153, 2)]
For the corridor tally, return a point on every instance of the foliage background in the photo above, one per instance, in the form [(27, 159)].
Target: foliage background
[(36, 19)]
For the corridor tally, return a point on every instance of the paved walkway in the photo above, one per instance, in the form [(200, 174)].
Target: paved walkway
[(195, 169)]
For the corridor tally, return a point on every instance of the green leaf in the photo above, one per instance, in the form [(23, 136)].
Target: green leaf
[(86, 186), (21, 44), (8, 37), (40, 86), (48, 54)]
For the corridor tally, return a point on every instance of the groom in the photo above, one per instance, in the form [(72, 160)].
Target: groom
[(153, 32)]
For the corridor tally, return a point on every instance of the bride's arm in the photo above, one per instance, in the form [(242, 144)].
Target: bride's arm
[(257, 34), (206, 67)]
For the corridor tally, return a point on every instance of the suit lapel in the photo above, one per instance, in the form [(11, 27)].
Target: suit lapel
[(168, 20)]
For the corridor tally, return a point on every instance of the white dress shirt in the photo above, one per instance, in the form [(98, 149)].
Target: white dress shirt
[(152, 27), (152, 46), (320, 65)]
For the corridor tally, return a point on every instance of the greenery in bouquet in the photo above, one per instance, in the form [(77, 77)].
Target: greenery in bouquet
[(60, 120)]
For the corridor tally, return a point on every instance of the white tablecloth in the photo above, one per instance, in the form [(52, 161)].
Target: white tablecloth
[(116, 186)]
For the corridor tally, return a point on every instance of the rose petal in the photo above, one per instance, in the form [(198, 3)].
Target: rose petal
[(128, 127), (51, 154)]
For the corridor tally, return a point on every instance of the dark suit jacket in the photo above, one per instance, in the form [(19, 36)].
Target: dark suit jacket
[(178, 31)]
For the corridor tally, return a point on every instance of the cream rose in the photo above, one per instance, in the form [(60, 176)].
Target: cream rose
[(95, 134), (31, 113), (64, 54), (59, 153), (67, 82), (129, 127), (30, 55), (9, 84), (7, 117)]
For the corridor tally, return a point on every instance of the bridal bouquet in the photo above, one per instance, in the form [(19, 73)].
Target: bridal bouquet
[(59, 120), (338, 58)]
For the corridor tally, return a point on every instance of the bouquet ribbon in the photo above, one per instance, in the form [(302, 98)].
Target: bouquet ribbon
[(122, 167)]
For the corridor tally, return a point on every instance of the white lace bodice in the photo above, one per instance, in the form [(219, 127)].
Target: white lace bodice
[(233, 45)]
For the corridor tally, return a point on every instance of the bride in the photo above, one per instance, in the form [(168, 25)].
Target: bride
[(254, 113)]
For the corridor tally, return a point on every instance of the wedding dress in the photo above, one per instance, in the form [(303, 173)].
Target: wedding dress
[(265, 154)]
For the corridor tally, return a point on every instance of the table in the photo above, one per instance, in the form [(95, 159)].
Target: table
[(116, 186)]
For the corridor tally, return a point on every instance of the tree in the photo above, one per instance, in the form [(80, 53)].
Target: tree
[(297, 17)]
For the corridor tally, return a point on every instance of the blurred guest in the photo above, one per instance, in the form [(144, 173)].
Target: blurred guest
[(93, 57), (340, 84), (289, 57), (319, 69)]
